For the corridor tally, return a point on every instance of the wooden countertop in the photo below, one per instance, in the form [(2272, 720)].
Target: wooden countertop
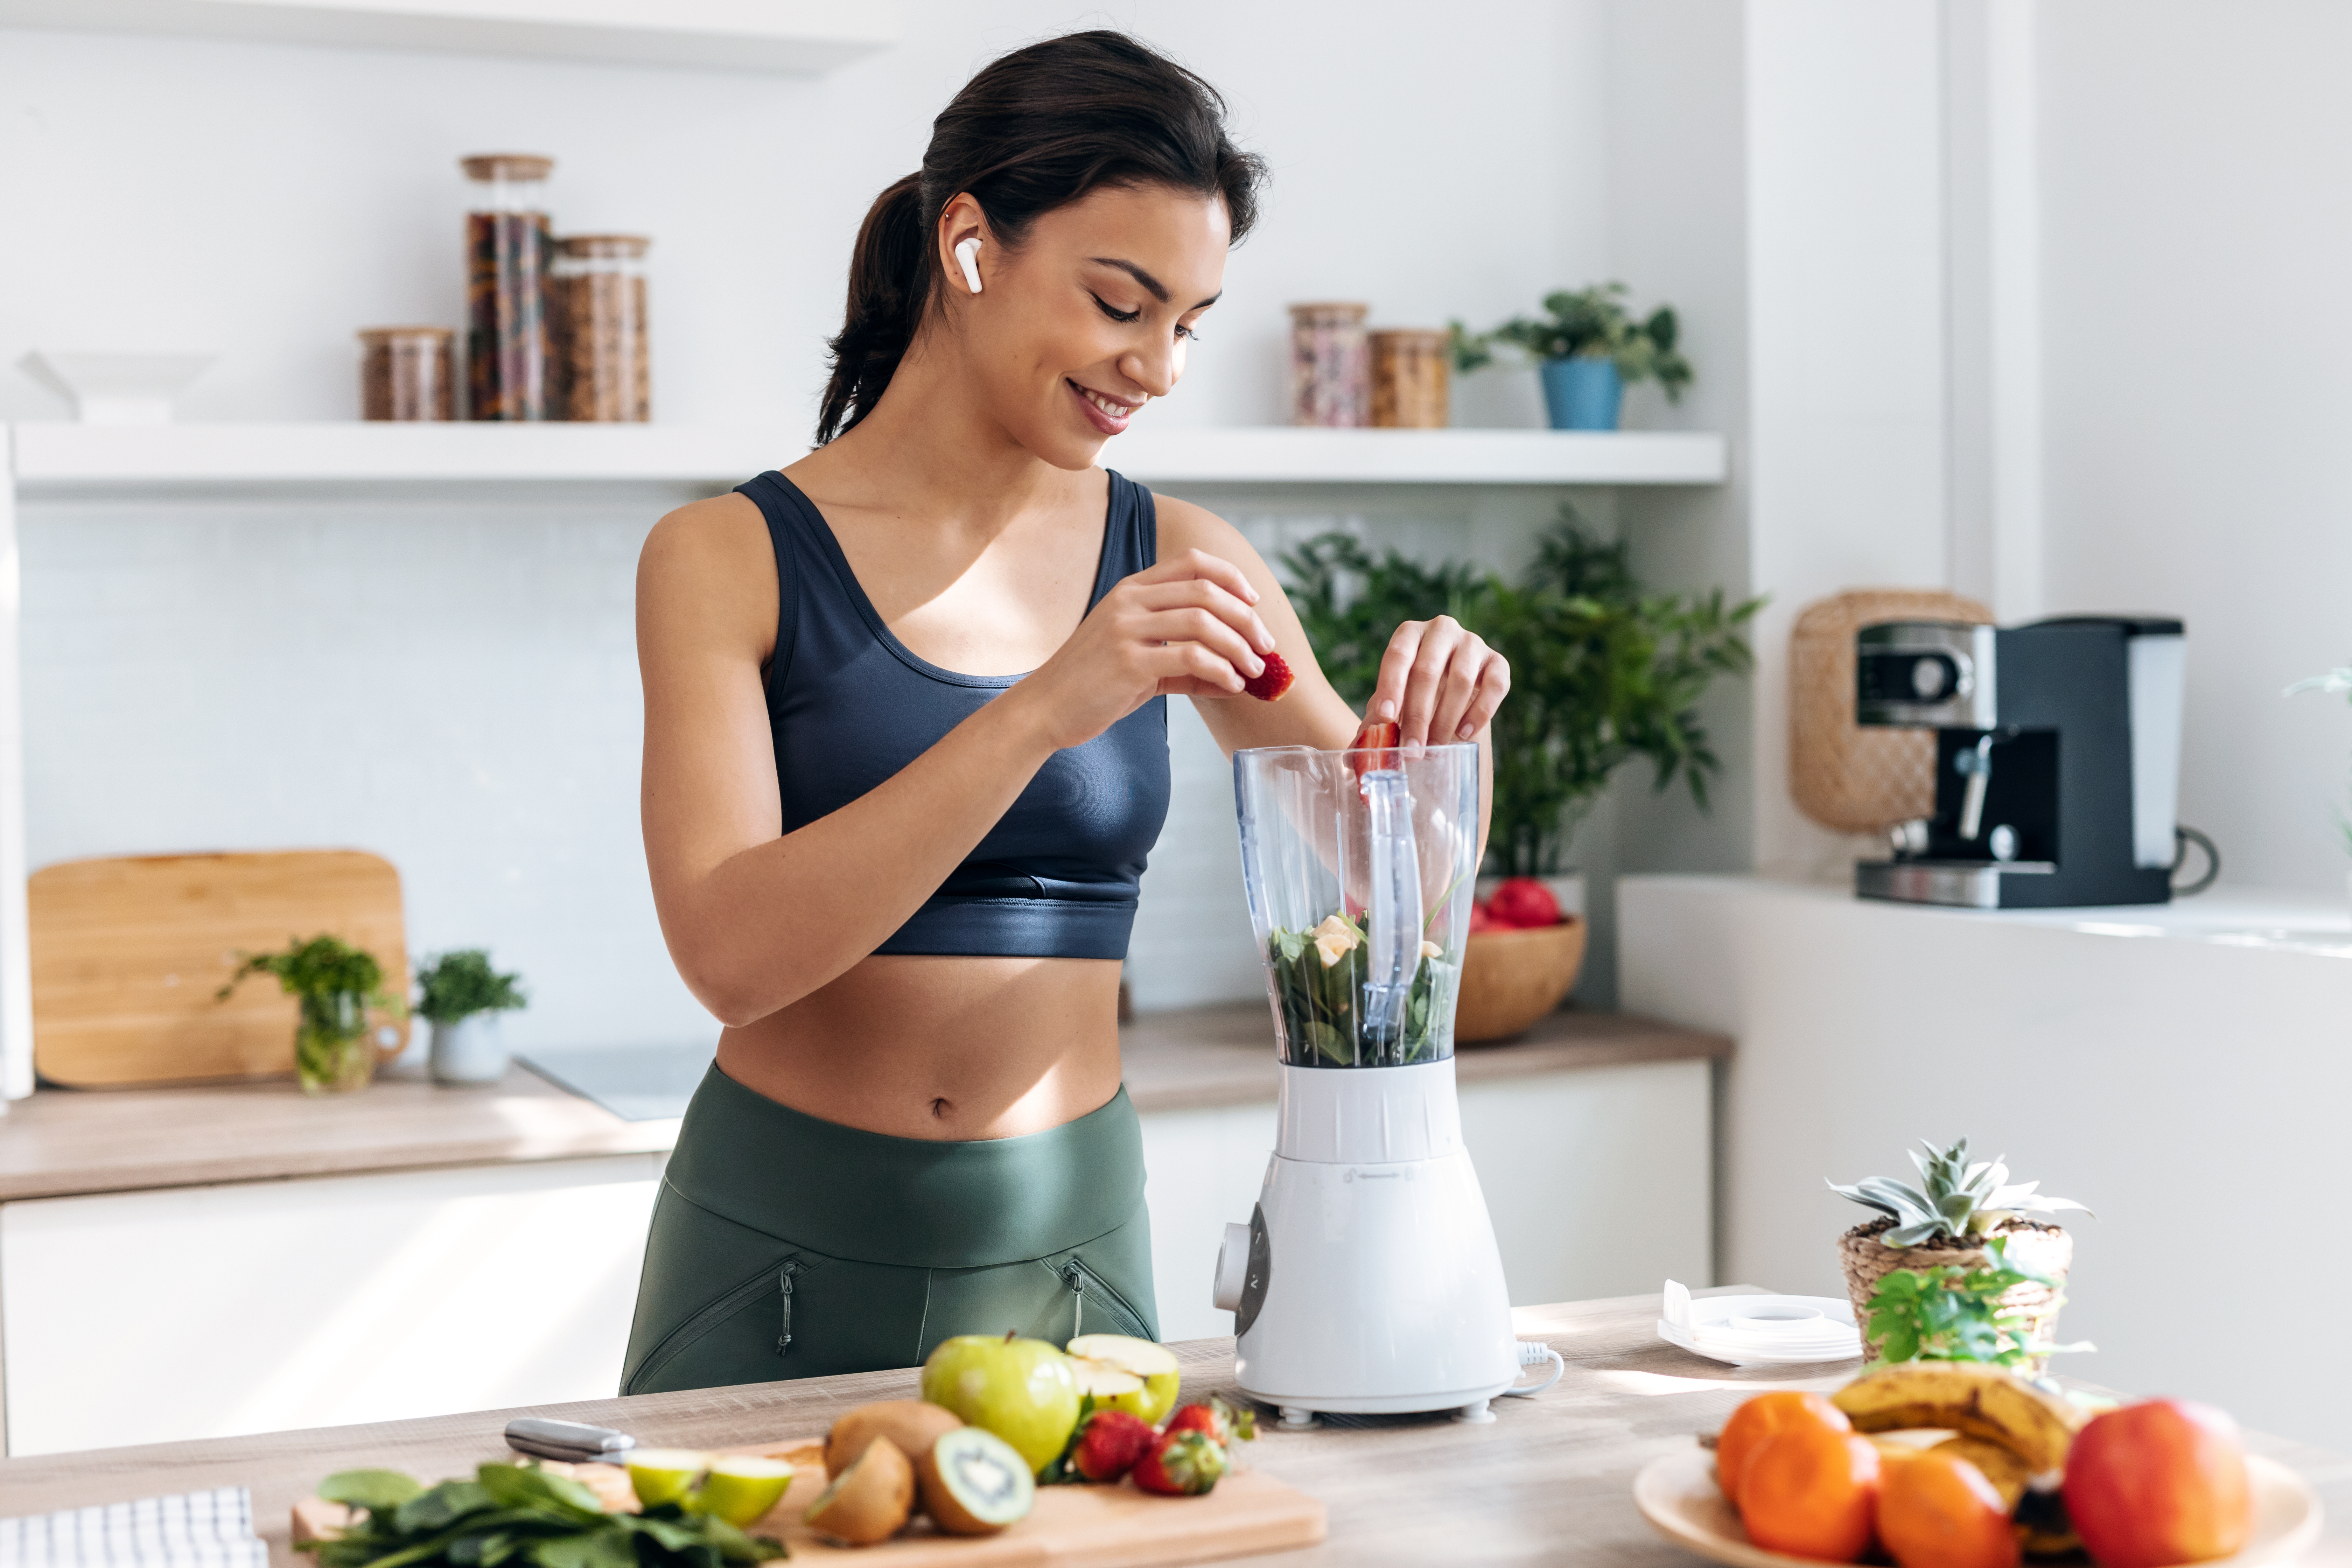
[(65, 1142), (1550, 1481)]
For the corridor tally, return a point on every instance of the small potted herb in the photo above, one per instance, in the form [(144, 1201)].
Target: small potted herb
[(1587, 351), (1952, 1220), (462, 997), (337, 984)]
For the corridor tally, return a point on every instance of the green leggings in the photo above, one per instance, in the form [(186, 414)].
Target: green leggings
[(784, 1246)]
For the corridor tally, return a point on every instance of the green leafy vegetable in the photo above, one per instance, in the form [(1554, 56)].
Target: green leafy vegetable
[(1321, 1003), (454, 986), (1956, 1313), (520, 1514)]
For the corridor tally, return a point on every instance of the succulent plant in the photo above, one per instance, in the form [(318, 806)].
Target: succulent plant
[(1957, 1197)]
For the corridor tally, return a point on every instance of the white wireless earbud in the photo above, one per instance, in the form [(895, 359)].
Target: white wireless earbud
[(966, 253)]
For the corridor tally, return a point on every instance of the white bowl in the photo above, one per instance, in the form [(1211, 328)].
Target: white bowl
[(116, 389)]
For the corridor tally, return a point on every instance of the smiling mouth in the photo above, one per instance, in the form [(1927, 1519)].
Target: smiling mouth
[(1109, 410)]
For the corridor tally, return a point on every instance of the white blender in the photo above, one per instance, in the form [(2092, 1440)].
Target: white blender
[(1367, 1280)]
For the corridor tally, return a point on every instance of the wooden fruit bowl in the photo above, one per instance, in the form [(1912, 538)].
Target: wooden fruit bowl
[(1511, 978)]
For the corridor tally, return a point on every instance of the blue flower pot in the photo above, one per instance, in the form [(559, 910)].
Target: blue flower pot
[(1582, 393)]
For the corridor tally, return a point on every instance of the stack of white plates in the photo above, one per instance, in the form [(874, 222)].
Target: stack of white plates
[(1760, 1331)]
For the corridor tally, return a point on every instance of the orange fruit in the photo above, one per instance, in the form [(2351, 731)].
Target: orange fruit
[(1941, 1512), (1759, 1419), (1811, 1492)]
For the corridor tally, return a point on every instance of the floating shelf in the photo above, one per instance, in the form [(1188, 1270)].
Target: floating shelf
[(800, 36), (64, 459)]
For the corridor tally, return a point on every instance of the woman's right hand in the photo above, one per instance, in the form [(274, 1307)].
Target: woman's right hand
[(1184, 628)]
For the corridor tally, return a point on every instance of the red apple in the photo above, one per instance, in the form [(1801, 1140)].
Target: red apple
[(2158, 1483), (1483, 919), (1522, 901)]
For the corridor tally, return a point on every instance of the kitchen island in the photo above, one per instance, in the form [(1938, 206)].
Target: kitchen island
[(200, 1262), (1550, 1481)]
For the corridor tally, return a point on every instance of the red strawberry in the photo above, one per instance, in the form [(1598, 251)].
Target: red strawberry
[(1181, 1464), (1375, 747), (1522, 901), (1272, 681), (1220, 1418), (1110, 1443)]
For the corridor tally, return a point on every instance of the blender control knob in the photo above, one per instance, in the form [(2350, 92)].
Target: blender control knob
[(1232, 1267)]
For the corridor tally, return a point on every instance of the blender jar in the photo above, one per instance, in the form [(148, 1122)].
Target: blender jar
[(506, 253), (1359, 867)]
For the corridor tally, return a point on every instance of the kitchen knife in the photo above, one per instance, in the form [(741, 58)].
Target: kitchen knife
[(568, 1440)]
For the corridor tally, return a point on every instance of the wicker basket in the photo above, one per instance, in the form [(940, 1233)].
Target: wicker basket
[(1842, 775), (2042, 1248)]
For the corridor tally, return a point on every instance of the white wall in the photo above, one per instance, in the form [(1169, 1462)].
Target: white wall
[(2197, 176), (454, 686)]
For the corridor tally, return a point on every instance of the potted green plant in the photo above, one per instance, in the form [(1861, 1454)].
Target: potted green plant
[(1951, 1220), (336, 985), (463, 998), (1588, 349), (1602, 671)]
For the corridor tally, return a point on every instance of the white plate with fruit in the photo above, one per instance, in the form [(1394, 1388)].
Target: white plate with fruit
[(1961, 1464)]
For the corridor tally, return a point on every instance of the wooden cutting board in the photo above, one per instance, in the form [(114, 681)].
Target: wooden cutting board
[(128, 951), (1071, 1526)]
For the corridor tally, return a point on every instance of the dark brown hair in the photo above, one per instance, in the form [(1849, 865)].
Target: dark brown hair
[(1034, 131)]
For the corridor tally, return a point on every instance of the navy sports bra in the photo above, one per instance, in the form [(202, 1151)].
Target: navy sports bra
[(849, 705)]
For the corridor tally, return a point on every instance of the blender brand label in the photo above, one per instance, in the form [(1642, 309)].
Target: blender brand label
[(1261, 1267)]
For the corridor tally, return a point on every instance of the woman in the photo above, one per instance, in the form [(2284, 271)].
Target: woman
[(905, 750)]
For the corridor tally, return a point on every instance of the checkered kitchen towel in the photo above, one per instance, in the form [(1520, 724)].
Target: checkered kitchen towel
[(187, 1529)]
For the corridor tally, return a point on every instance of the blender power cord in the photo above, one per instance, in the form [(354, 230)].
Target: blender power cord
[(1535, 1352)]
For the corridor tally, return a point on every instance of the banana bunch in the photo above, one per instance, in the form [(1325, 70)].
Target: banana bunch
[(2008, 1428)]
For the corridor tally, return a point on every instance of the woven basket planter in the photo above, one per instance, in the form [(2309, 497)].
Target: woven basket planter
[(2043, 1248)]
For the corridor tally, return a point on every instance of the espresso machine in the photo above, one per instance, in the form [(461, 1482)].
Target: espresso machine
[(2057, 759)]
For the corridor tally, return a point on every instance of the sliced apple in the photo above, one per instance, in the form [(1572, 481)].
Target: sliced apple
[(1151, 1365)]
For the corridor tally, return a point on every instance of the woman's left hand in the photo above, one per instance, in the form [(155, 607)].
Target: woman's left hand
[(1440, 682)]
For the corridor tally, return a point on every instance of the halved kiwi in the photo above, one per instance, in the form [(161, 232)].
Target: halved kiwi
[(912, 1423), (974, 1482), (869, 1501)]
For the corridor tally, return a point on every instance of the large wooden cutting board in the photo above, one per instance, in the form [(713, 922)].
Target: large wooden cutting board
[(1071, 1526), (128, 951)]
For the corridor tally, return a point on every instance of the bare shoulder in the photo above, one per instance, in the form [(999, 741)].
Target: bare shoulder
[(1185, 525), (710, 563)]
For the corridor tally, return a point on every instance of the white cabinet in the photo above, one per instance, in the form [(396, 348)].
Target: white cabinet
[(1598, 1181), (193, 1313)]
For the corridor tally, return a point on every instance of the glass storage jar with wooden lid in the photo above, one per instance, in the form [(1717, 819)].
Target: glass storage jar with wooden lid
[(507, 255), (597, 308), (405, 373), (1409, 378), (1329, 380)]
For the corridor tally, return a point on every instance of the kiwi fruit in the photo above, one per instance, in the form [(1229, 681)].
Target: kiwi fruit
[(913, 1424), (869, 1501), (974, 1482)]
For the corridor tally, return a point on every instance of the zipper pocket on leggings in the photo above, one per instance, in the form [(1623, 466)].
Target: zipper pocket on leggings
[(785, 1277), (702, 1322), (1079, 1280)]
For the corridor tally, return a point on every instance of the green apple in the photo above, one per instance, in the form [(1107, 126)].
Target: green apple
[(665, 1475), (1022, 1390), (1151, 1364), (741, 1488)]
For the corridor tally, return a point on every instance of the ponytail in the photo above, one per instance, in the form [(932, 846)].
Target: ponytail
[(1034, 131), (889, 287)]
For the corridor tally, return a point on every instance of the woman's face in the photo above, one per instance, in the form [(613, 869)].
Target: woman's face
[(1072, 335)]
